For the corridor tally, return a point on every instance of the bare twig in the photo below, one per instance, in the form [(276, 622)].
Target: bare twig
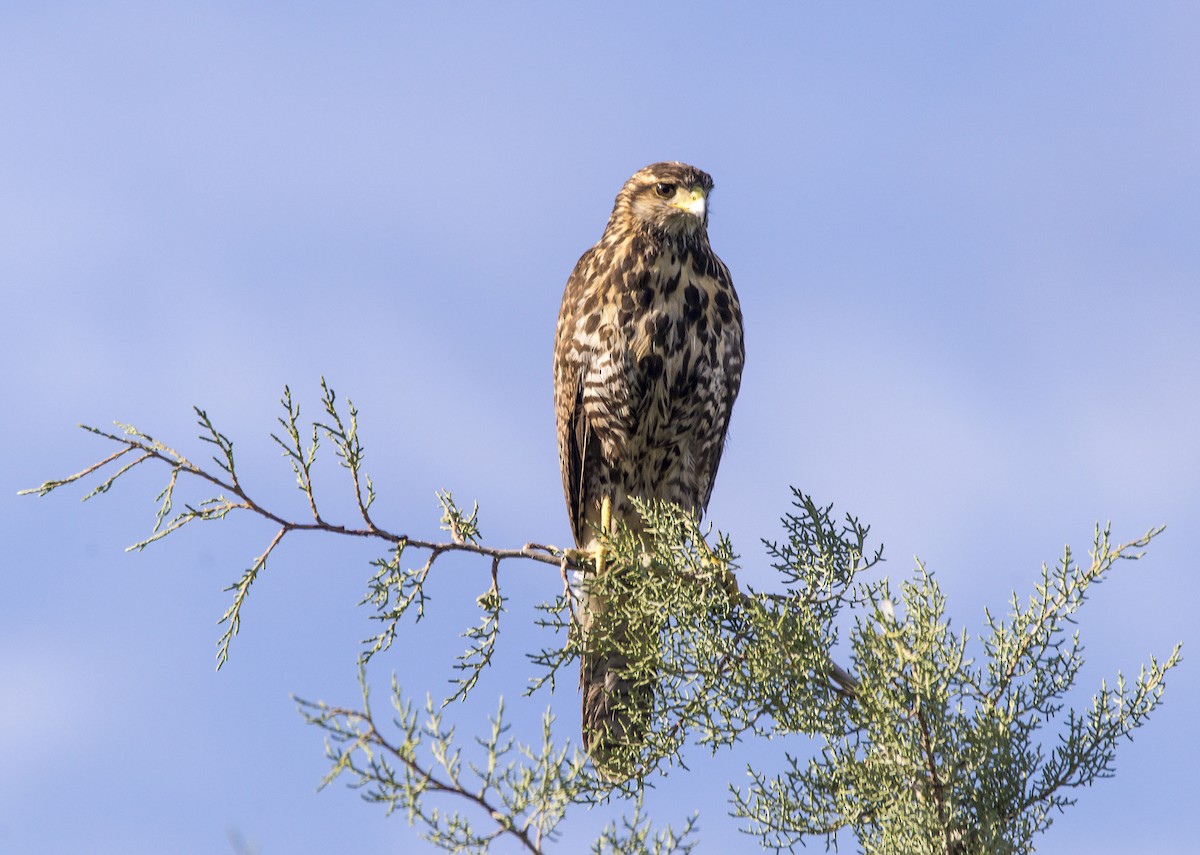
[(362, 724)]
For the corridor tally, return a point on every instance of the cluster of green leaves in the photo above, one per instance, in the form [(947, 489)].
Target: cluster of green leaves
[(939, 753), (921, 749)]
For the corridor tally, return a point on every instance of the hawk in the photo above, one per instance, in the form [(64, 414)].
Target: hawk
[(647, 363)]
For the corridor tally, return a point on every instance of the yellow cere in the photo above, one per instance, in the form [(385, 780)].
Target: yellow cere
[(694, 204)]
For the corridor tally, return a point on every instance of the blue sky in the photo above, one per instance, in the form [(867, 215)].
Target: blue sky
[(965, 241)]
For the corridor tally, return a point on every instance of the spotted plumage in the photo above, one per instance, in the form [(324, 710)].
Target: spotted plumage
[(647, 364)]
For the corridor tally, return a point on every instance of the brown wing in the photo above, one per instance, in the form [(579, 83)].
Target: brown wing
[(577, 447), (731, 367), (578, 451)]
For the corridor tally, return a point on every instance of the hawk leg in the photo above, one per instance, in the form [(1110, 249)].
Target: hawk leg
[(725, 575), (606, 528)]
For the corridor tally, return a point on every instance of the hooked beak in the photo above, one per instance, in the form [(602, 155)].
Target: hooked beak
[(694, 204)]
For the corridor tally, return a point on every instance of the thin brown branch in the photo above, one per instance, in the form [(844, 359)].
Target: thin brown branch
[(846, 681), (71, 479), (233, 615), (531, 551), (429, 780), (937, 786)]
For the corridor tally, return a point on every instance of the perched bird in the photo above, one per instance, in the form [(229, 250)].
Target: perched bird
[(647, 363)]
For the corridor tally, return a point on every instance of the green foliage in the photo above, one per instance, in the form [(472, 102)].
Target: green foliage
[(938, 754), (937, 742), (635, 836), (518, 787)]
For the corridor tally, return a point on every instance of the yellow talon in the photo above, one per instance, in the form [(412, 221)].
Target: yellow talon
[(728, 580)]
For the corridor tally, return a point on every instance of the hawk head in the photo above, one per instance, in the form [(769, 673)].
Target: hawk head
[(669, 198)]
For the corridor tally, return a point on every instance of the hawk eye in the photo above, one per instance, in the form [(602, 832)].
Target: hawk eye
[(664, 190)]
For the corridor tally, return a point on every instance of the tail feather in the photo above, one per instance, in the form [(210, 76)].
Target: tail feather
[(617, 694)]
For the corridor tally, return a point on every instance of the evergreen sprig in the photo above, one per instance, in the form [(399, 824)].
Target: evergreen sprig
[(936, 742)]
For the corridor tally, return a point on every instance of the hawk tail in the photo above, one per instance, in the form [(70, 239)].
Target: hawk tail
[(618, 696)]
